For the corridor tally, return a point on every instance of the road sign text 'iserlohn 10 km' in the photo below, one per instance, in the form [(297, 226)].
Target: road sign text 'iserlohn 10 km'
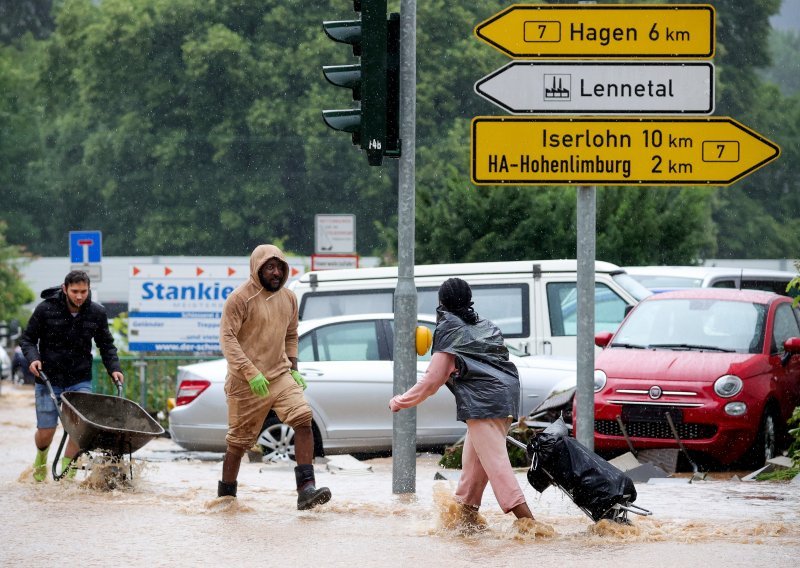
[(602, 31), (615, 151)]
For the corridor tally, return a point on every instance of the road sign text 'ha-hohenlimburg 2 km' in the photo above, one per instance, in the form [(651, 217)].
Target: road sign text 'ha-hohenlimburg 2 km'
[(618, 151)]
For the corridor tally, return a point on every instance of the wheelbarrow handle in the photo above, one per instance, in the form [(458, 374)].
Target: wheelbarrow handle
[(46, 380)]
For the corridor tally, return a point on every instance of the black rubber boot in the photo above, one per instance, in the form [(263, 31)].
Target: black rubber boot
[(226, 489), (308, 496)]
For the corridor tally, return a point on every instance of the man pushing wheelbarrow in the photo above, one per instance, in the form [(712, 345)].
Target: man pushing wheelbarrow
[(58, 341)]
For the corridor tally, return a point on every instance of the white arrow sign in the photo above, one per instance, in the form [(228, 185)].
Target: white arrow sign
[(533, 87)]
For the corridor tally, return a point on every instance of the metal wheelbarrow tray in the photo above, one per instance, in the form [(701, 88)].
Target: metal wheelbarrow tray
[(110, 423)]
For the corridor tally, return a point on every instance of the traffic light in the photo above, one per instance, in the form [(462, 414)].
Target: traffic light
[(375, 81)]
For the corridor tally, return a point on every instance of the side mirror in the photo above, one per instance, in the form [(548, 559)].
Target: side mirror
[(602, 338), (423, 339), (790, 347)]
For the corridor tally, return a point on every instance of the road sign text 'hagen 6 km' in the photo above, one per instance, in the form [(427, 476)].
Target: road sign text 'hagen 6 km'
[(592, 30), (615, 151)]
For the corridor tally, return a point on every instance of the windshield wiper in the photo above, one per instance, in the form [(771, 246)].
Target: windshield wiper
[(627, 345), (689, 346)]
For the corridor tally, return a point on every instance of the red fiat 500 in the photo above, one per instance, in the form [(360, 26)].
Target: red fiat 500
[(718, 367)]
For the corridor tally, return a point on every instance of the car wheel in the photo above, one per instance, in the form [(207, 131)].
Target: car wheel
[(277, 439), (766, 445)]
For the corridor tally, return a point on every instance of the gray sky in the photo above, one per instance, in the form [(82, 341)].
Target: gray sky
[(789, 17)]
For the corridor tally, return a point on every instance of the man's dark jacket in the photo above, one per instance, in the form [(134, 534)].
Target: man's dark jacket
[(63, 342)]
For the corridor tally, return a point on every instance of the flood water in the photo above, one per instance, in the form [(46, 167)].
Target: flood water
[(170, 516)]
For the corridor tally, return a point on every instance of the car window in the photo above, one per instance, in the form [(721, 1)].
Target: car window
[(732, 326), (724, 284), (562, 301), (507, 305), (784, 327), (347, 341), (329, 304), (776, 286)]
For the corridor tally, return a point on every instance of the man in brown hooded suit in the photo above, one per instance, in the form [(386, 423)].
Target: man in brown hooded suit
[(258, 334)]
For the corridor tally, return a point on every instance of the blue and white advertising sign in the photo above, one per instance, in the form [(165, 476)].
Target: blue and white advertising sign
[(178, 307)]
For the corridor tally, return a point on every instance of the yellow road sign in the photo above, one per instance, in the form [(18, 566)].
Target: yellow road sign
[(616, 151), (600, 31)]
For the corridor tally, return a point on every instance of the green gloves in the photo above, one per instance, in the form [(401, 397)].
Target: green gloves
[(259, 385), (298, 378)]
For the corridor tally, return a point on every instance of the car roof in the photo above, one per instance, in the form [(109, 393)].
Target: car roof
[(752, 296), (463, 270), (707, 271)]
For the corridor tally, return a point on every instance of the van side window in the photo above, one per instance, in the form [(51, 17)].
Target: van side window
[(507, 305), (724, 284), (562, 302), (776, 286), (328, 304)]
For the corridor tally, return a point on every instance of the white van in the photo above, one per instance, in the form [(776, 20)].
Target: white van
[(533, 302), (664, 278)]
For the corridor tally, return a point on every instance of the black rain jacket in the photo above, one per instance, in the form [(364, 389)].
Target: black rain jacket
[(63, 342), (486, 383)]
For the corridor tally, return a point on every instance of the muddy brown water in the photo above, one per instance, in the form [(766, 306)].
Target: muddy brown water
[(169, 516)]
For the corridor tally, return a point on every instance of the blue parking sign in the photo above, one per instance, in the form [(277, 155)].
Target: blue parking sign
[(85, 247)]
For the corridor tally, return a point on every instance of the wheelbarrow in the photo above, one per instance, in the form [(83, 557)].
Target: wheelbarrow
[(112, 425)]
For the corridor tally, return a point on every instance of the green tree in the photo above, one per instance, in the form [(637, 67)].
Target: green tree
[(14, 293)]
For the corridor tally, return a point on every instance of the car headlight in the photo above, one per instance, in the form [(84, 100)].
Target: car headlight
[(727, 386), (599, 380), (735, 408)]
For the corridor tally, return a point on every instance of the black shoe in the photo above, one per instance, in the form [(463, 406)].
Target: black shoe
[(310, 497)]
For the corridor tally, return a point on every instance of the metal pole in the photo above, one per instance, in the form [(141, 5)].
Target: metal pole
[(142, 366), (404, 434), (586, 214)]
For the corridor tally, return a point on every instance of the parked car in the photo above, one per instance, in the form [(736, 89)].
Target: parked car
[(20, 368), (664, 278), (347, 363), (724, 365), (5, 365)]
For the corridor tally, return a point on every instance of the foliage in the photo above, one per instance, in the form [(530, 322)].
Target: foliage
[(18, 17), (519, 458), (13, 291), (784, 47), (193, 127), (794, 432)]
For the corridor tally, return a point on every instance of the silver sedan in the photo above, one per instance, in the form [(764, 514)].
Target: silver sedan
[(347, 363)]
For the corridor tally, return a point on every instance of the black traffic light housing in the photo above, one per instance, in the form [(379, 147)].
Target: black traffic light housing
[(375, 81)]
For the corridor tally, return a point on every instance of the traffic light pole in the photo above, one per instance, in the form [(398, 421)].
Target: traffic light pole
[(404, 436)]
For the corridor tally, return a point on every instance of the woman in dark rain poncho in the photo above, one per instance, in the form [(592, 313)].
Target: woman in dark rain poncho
[(470, 356)]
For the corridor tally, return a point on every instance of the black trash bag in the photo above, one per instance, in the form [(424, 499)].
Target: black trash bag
[(592, 483), (486, 382)]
